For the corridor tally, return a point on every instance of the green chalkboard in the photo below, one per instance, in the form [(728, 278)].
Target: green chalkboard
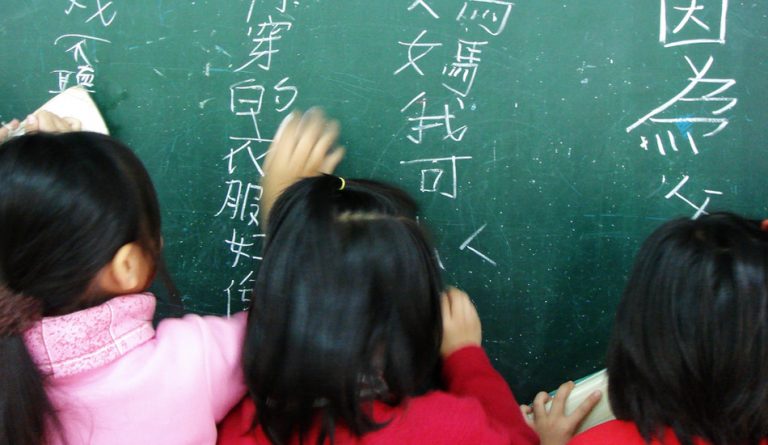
[(543, 139)]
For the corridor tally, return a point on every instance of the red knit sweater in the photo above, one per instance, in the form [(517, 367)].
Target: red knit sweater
[(626, 433), (478, 408)]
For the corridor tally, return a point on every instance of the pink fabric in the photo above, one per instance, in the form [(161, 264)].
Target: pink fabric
[(114, 380), (87, 339)]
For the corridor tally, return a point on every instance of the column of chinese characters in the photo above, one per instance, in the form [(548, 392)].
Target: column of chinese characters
[(248, 98), (480, 21), (80, 46), (685, 23)]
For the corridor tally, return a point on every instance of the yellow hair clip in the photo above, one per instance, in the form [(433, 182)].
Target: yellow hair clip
[(343, 183)]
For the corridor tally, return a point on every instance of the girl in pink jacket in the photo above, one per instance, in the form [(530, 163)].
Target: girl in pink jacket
[(80, 362)]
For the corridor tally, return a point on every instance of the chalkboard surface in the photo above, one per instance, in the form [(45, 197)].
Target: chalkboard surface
[(543, 139)]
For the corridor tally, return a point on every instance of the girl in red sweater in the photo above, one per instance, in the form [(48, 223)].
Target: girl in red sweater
[(689, 356), (349, 331)]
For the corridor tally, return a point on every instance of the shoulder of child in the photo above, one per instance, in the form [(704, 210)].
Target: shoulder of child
[(441, 418)]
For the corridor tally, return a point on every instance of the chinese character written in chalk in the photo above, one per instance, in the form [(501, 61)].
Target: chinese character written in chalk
[(424, 49), (491, 15), (244, 288), (464, 68), (423, 122), (240, 247), (424, 5), (246, 96), (700, 209), (85, 74), (465, 245), (242, 201), (244, 148), (268, 33), (102, 11), (701, 91), (434, 173), (688, 22)]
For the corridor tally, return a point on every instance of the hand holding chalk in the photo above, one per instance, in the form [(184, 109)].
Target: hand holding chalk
[(553, 425)]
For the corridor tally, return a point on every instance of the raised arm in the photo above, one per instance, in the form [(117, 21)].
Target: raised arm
[(468, 373)]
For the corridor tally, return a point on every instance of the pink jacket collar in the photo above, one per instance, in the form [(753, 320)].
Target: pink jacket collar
[(84, 340)]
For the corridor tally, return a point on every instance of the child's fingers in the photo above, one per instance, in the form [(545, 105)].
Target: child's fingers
[(49, 122), (558, 402), (284, 141), (456, 293), (461, 326), (12, 125), (527, 412), (445, 308), (539, 402), (464, 308), (7, 129), (332, 160), (582, 411), (287, 118), (74, 124), (326, 140), (31, 124), (310, 128)]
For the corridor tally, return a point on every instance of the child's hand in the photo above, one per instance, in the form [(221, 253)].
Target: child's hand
[(461, 324), (50, 123), (41, 121), (554, 426), (7, 129), (304, 146)]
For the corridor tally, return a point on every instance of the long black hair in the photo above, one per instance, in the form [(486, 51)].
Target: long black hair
[(68, 202), (690, 341), (345, 309)]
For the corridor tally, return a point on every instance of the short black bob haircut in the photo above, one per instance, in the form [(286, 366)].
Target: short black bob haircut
[(345, 309), (690, 340)]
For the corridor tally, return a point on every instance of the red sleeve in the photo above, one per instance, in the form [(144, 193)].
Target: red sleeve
[(468, 372)]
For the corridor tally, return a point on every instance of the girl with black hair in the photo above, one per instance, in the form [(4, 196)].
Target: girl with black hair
[(80, 362), (349, 326), (350, 329), (688, 359)]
